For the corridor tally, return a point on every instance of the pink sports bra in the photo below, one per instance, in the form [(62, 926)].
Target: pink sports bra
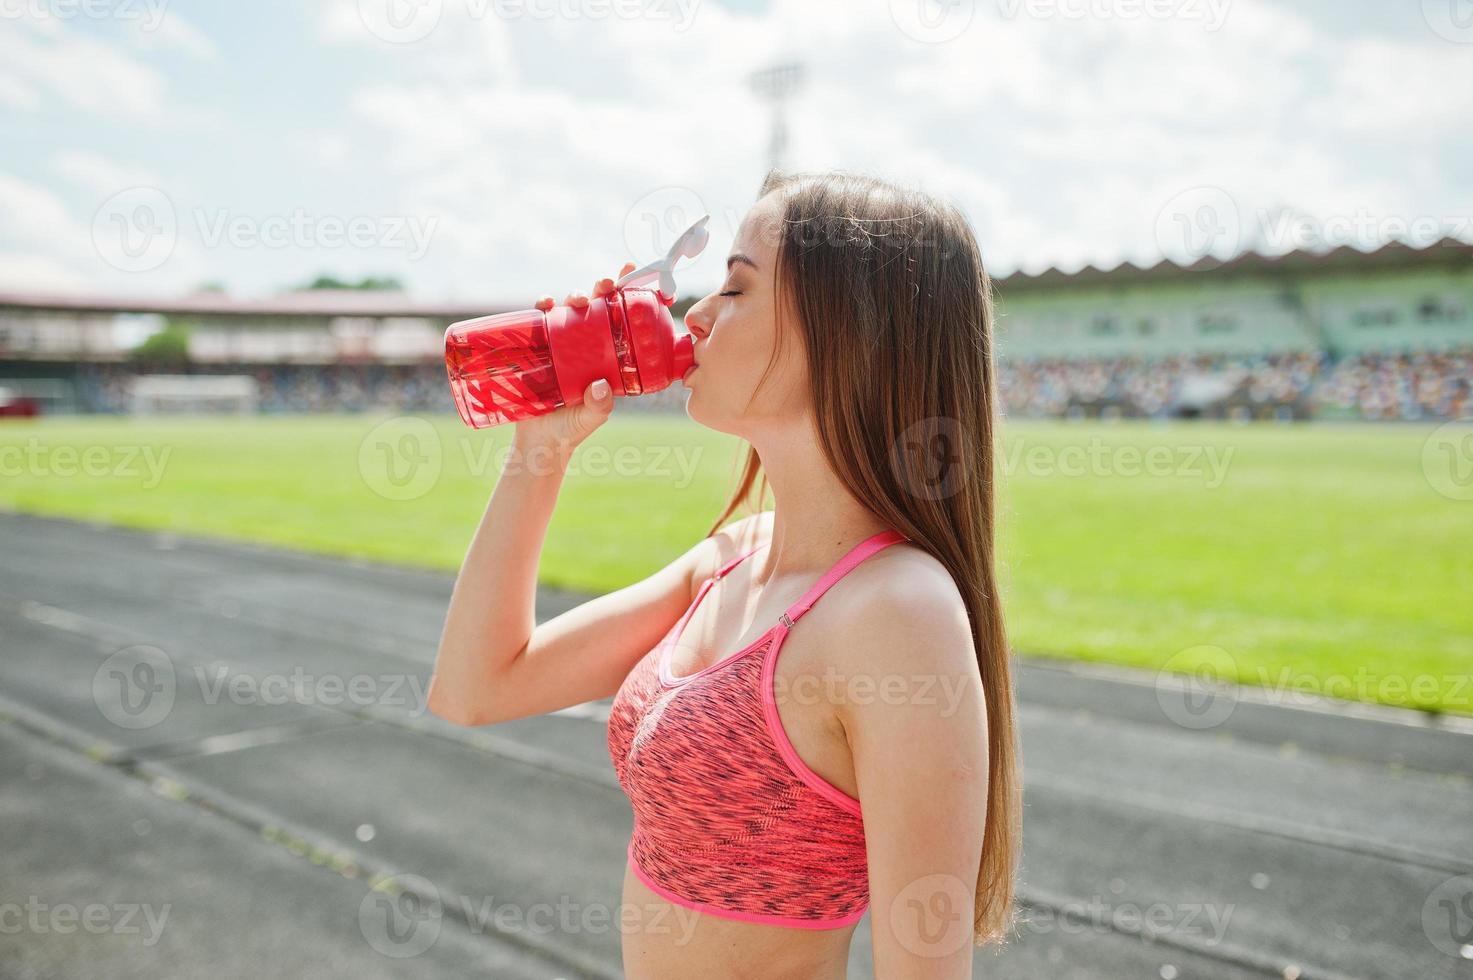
[(727, 818)]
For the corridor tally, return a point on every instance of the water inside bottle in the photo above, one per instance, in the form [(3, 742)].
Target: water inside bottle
[(501, 370)]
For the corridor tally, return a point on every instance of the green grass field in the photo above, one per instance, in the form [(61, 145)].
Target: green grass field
[(1321, 558)]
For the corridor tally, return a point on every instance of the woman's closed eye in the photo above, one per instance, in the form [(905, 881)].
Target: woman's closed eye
[(730, 292)]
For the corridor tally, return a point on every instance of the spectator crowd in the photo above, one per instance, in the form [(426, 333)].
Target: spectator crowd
[(1423, 385), (1410, 386), (1436, 385), (295, 388)]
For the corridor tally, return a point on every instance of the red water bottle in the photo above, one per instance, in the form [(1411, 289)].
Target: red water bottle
[(512, 366)]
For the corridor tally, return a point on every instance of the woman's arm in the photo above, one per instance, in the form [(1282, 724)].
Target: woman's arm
[(920, 763), (494, 663)]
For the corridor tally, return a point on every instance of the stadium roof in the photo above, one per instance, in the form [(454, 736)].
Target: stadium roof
[(312, 302), (375, 303), (1393, 255)]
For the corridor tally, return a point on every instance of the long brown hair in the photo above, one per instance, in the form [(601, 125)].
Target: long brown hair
[(896, 314)]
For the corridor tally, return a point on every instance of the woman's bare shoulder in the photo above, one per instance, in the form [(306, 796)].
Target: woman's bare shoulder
[(901, 571), (901, 592)]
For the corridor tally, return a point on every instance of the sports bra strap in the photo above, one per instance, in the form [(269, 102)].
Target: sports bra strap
[(841, 568), (721, 572)]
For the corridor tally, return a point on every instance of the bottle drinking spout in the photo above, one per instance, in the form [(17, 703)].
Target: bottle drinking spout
[(684, 355)]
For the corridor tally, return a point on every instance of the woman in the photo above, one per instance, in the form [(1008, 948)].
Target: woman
[(851, 346)]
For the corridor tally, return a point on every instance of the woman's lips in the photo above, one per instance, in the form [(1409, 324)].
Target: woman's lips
[(688, 372)]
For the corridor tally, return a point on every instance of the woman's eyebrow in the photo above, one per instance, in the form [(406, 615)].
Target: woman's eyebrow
[(736, 257)]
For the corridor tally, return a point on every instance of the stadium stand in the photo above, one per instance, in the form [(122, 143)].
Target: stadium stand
[(1385, 335), (1423, 385)]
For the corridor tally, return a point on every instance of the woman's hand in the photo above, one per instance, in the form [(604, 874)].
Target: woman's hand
[(563, 429), (578, 300)]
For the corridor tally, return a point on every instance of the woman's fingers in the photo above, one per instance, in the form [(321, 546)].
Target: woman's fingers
[(601, 288), (605, 286)]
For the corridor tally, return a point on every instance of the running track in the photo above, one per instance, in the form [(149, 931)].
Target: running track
[(1251, 840)]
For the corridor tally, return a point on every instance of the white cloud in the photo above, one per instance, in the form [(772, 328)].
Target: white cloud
[(36, 216), (68, 241), (15, 93), (100, 176), (29, 272), (173, 32), (1386, 90), (1062, 139), (545, 148), (82, 72)]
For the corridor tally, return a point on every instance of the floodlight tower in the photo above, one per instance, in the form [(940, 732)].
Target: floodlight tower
[(776, 84)]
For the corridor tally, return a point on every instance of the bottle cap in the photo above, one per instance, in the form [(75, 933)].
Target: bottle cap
[(690, 244)]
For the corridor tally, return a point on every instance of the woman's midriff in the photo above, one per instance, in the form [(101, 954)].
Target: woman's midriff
[(665, 941)]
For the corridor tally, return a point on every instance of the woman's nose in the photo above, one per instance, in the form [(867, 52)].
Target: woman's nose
[(695, 321)]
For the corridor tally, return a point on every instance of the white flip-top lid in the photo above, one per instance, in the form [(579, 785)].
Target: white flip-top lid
[(690, 244)]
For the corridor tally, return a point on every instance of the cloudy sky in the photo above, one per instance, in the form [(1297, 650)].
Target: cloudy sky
[(499, 149)]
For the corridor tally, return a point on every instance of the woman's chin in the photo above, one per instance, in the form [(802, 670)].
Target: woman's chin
[(693, 411)]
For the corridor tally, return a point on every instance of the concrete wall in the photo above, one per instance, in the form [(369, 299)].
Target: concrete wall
[(1345, 313)]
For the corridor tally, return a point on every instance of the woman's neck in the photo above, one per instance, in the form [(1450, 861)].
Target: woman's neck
[(816, 520)]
